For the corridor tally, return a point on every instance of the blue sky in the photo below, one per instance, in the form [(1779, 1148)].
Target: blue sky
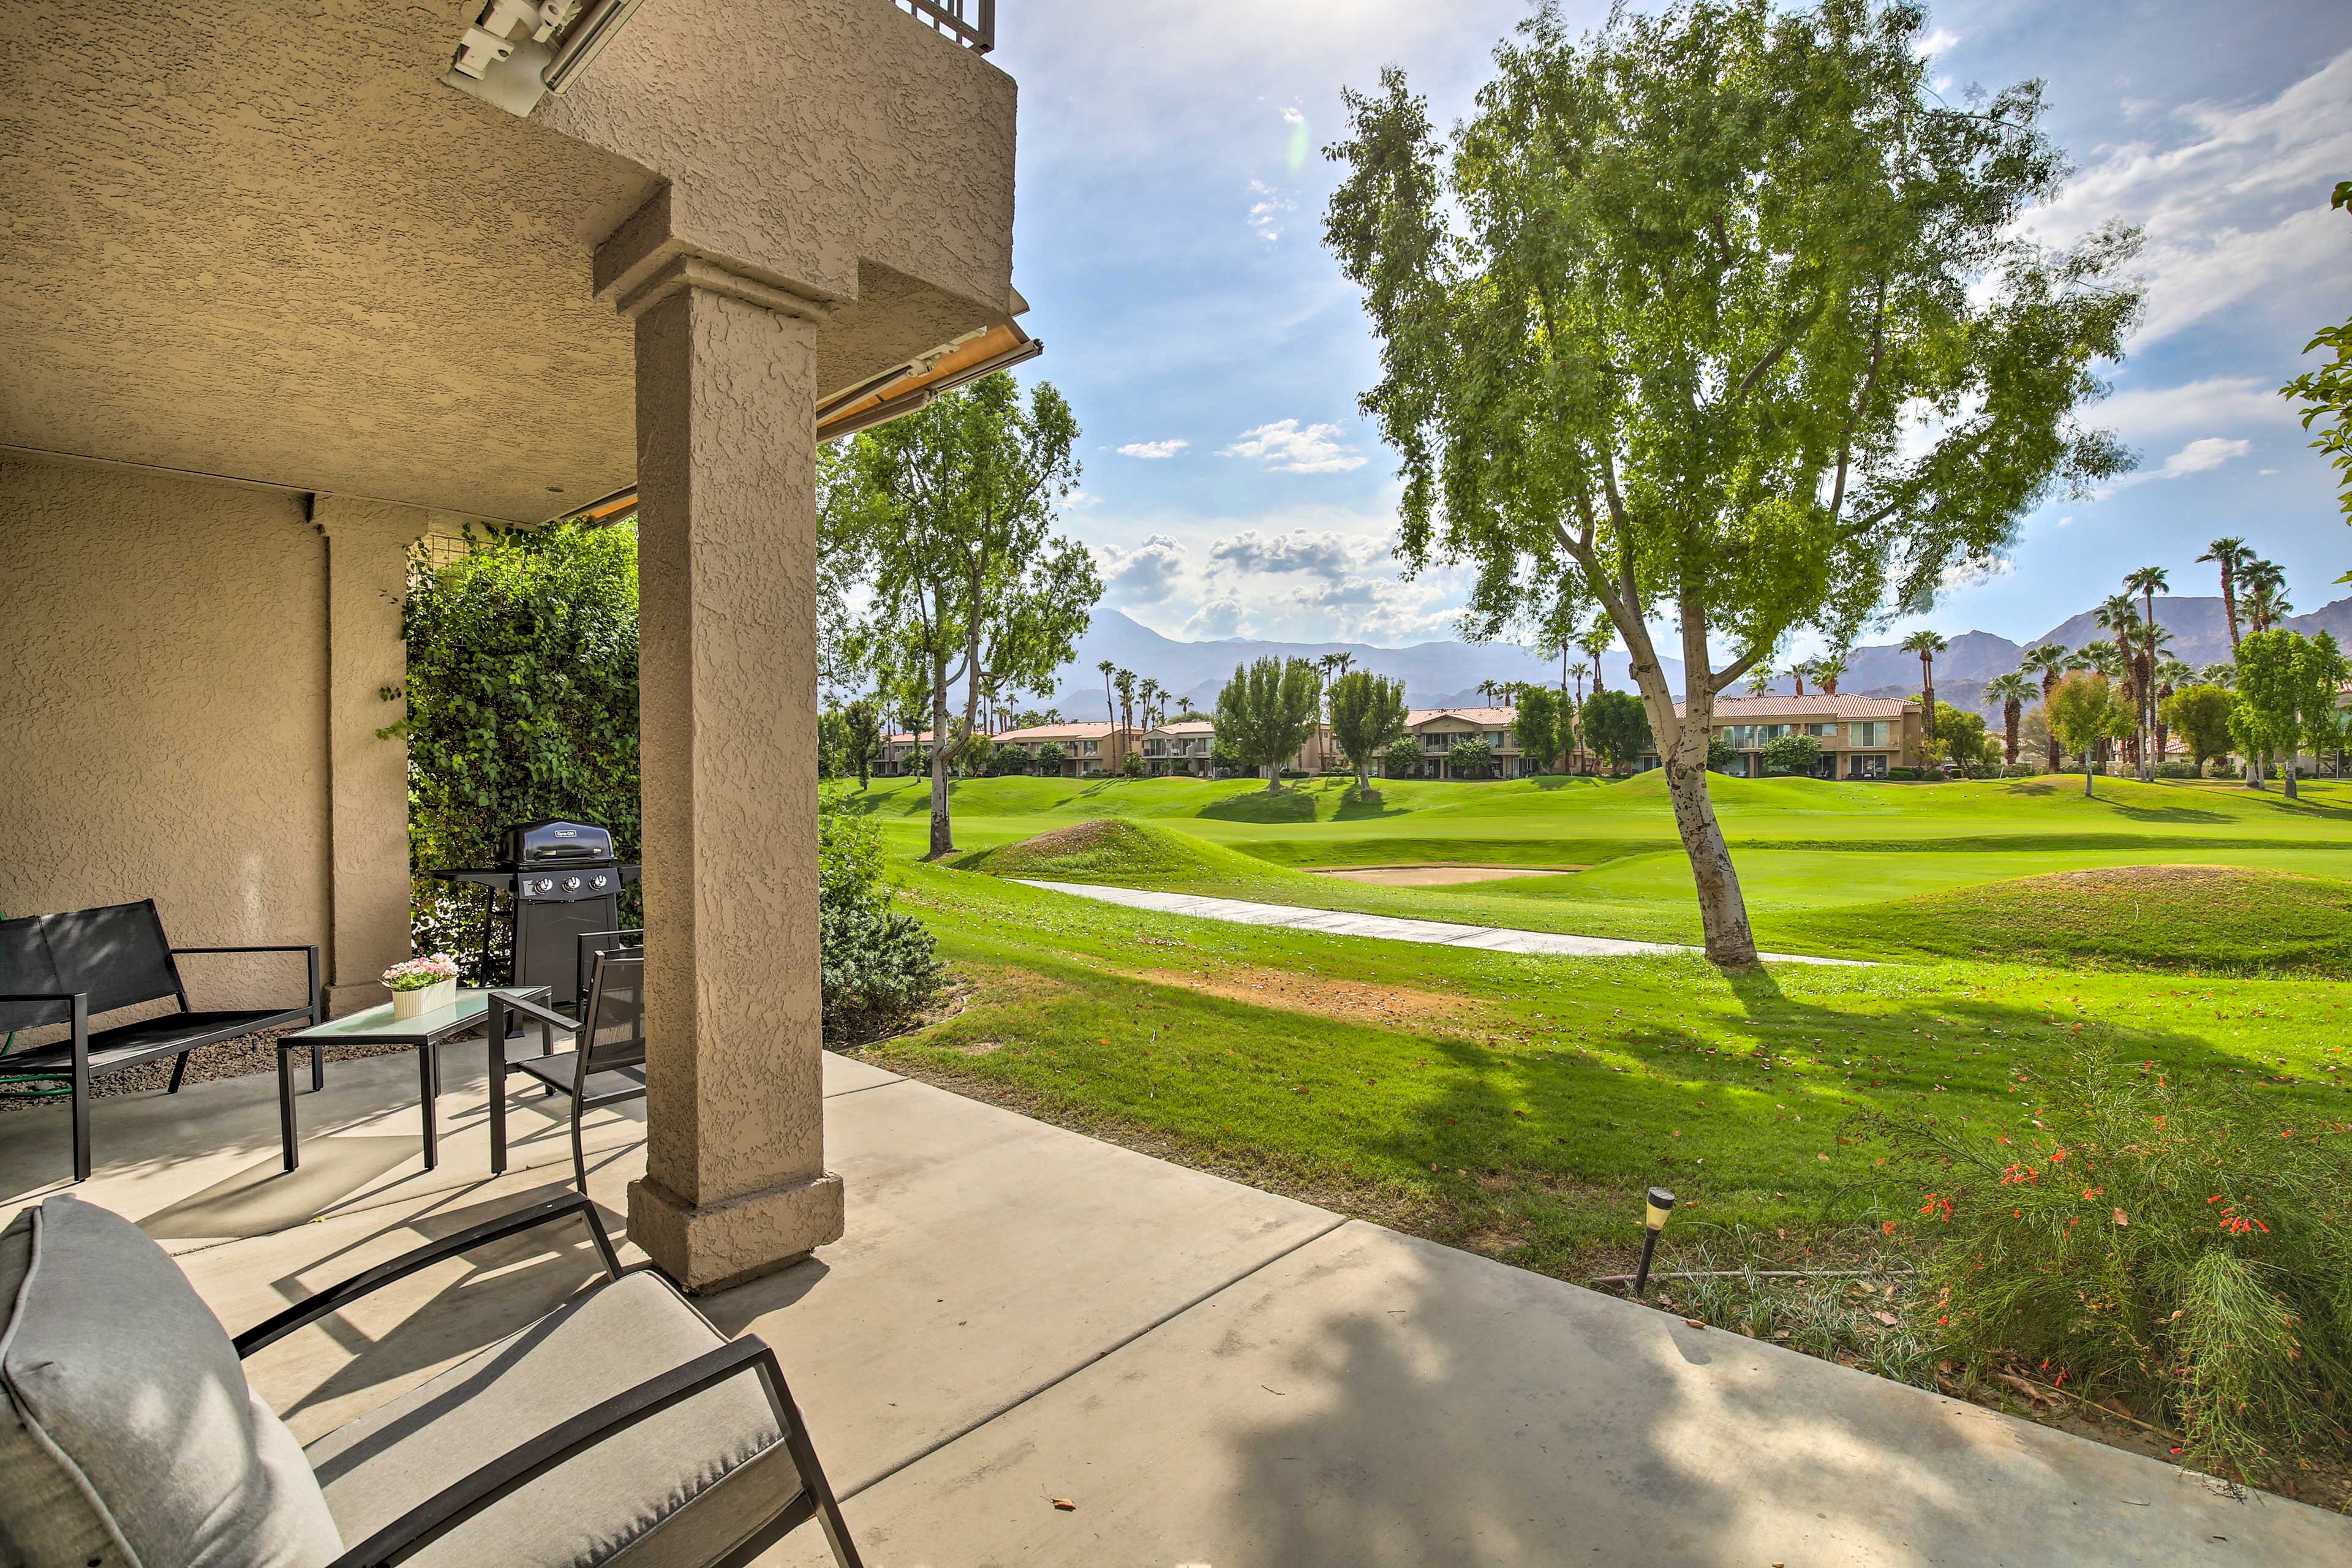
[(1171, 190)]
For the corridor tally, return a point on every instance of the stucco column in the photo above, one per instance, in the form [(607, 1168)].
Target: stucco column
[(367, 775), (735, 1183)]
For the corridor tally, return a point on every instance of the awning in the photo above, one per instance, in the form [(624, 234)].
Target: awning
[(902, 389)]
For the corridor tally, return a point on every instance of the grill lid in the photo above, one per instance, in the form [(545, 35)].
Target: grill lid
[(549, 842)]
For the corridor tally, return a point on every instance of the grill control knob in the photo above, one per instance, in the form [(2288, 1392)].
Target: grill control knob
[(597, 881), (546, 884), (571, 884)]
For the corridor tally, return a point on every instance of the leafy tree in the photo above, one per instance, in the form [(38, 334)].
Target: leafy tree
[(1656, 333), (2084, 710), (1368, 713), (1133, 767), (1791, 754), (2200, 715), (1050, 757), (832, 744), (521, 695), (1961, 740), (862, 727), (1720, 754), (2012, 692), (1401, 759), (1473, 759), (1616, 725), (949, 513), (1267, 712), (1225, 757), (1542, 726), (2287, 686), (2326, 393)]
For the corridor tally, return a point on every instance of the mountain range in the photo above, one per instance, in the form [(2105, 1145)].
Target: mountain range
[(1446, 674)]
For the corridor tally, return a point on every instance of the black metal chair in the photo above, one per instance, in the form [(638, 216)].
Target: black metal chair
[(62, 968), (606, 1063)]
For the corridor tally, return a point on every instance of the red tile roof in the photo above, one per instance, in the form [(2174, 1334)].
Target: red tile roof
[(1058, 732), (1491, 717), (1812, 705)]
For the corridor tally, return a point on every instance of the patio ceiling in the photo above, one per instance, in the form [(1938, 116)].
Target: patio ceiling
[(288, 255)]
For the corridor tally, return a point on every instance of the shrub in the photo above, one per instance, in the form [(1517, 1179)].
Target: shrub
[(1903, 773), (2022, 770), (2169, 770), (1791, 754), (879, 968), (2182, 1246), (1133, 767), (1401, 759), (1049, 757), (1720, 754)]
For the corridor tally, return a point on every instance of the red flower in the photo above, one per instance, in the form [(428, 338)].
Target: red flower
[(1888, 1228)]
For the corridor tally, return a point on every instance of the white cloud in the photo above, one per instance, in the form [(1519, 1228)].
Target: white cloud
[(1292, 117), (2234, 210), (1153, 450), (1977, 573), (1266, 213), (1327, 552), (1285, 449), (1938, 41), (1145, 573), (1223, 616), (2205, 453), (2156, 412), (1079, 500)]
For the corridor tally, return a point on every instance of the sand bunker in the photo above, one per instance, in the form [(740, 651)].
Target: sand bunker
[(1440, 875)]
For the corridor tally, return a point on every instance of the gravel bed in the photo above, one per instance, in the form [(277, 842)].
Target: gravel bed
[(240, 1058)]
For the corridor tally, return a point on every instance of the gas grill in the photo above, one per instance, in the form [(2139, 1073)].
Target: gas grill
[(555, 883)]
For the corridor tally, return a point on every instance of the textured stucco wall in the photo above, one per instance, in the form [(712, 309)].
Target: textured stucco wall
[(800, 137), (164, 645)]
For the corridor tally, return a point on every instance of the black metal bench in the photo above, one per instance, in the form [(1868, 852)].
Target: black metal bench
[(61, 969)]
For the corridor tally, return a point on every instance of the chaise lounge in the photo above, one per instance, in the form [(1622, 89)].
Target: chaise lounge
[(621, 1428)]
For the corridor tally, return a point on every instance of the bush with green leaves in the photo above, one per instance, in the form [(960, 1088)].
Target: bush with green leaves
[(1791, 754), (1401, 759), (1904, 774), (1470, 759), (522, 703), (1050, 757), (2180, 1244), (1617, 726), (1720, 754), (1133, 767), (880, 968), (2175, 770)]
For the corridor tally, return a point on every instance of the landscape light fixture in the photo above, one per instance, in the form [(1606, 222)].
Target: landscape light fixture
[(1661, 1204)]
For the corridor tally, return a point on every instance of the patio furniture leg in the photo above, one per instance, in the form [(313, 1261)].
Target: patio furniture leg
[(428, 1088), (286, 1109), (179, 1071), (578, 1152), (81, 1087), (317, 1069), (496, 1036)]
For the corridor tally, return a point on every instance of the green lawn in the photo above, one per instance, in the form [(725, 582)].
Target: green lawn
[(1519, 1105)]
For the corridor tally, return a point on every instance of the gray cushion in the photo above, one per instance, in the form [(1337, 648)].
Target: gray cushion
[(132, 1440), (624, 1500)]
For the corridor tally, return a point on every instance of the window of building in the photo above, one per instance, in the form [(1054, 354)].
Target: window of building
[(1867, 767), (1872, 733)]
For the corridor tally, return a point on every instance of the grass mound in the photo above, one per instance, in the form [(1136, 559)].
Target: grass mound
[(2216, 918), (1112, 849)]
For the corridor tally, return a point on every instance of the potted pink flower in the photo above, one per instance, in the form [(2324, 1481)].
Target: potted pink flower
[(421, 986)]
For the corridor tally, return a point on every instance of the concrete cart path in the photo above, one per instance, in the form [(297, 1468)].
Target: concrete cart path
[(1391, 928)]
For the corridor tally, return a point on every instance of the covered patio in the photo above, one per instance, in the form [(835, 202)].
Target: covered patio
[(1016, 1314)]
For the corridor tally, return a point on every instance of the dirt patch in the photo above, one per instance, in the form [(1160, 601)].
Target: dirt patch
[(1440, 875), (1077, 838), (1324, 996)]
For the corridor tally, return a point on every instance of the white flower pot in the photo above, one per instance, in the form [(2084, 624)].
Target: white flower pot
[(431, 999)]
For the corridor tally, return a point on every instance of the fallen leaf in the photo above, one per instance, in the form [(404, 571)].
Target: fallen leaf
[(1065, 1505), (1889, 1319), (1695, 1322), (2122, 1218)]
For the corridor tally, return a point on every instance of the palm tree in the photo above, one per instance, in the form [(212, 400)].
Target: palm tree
[(1926, 644), (1759, 680), (1798, 671), (2171, 674), (2012, 692), (1598, 639), (2232, 556), (2050, 661), (2120, 616), (2265, 583), (2145, 583), (2223, 675), (1151, 692), (1107, 667), (1829, 670), (1125, 680)]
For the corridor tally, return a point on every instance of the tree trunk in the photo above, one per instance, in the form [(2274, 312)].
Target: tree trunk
[(942, 835), (1273, 777), (2087, 772), (1722, 912), (2286, 777)]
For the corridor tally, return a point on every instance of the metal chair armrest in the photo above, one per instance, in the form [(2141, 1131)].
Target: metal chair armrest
[(455, 1504), (337, 1297), (542, 1013)]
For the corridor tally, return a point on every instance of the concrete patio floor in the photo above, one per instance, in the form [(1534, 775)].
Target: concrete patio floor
[(1213, 1375)]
